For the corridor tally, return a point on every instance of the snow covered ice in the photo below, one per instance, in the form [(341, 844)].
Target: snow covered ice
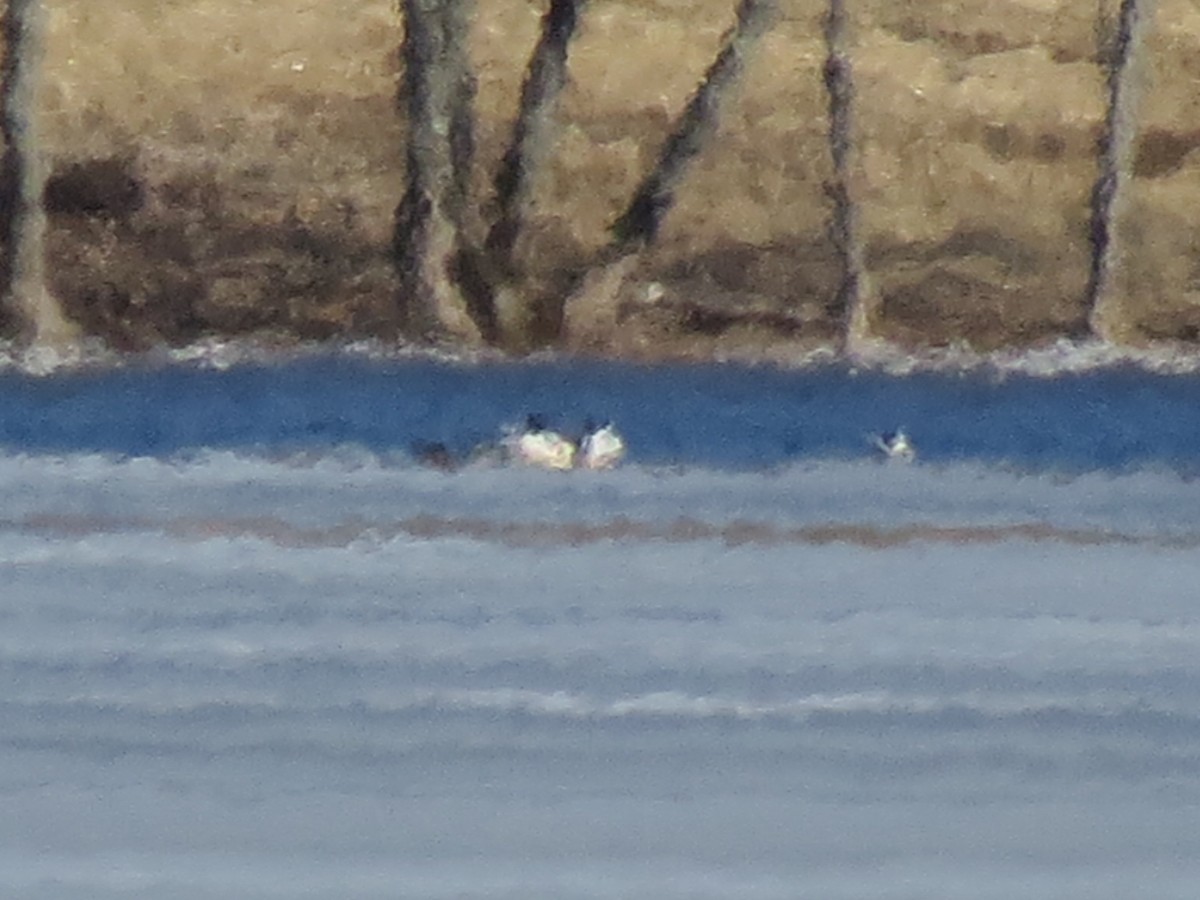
[(252, 649)]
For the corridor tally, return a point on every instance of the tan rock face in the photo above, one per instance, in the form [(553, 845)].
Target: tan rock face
[(233, 168)]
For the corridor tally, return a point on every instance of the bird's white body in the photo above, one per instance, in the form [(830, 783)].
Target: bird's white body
[(601, 449), (544, 448)]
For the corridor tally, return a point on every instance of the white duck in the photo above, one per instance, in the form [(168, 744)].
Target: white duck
[(896, 445), (600, 448)]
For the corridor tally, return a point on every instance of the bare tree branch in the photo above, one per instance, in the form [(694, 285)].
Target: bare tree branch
[(590, 307), (544, 81), (641, 220)]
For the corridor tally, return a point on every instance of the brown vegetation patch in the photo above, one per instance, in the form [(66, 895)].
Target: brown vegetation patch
[(108, 187), (1161, 153), (184, 265), (949, 304)]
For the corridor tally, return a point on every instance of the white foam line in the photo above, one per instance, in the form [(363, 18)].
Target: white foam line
[(567, 705), (1063, 356), (1056, 358), (675, 704)]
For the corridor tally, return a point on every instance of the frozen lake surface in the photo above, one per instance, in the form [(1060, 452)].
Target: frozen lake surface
[(252, 649)]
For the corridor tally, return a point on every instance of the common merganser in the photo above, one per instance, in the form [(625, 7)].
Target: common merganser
[(600, 448), (540, 446), (896, 445)]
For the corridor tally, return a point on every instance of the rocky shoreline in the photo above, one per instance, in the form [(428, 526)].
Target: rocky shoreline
[(233, 171)]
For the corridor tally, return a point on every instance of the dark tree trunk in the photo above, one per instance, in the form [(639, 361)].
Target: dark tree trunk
[(852, 297), (525, 319), (1116, 152), (532, 134), (26, 305), (656, 195), (436, 94), (590, 307)]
